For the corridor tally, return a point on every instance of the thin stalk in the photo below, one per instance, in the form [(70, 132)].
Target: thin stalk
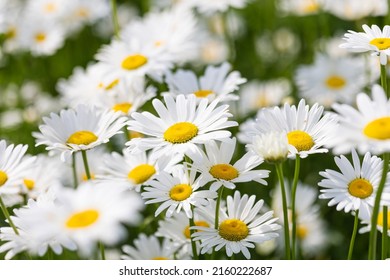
[(384, 79), (385, 242), (216, 219), (75, 180), (355, 227), (293, 212), (193, 243), (7, 216), (115, 22), (279, 171), (88, 173), (375, 211)]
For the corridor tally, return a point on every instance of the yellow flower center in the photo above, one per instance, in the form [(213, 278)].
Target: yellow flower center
[(381, 43), (158, 43), (113, 84), (335, 82), (302, 232), (311, 7), (181, 132), (85, 177), (10, 33), (180, 192), (133, 62), (360, 188), (203, 93), (135, 134), (378, 129), (160, 259), (300, 140), (82, 219), (82, 137), (50, 7), (3, 178), (122, 107), (30, 184), (82, 12), (224, 171), (380, 219), (40, 37), (233, 230), (141, 173), (187, 232)]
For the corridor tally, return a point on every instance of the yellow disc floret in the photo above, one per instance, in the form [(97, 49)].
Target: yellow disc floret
[(122, 107), (82, 219), (3, 178), (203, 93), (133, 62), (233, 230), (378, 129), (360, 188), (181, 132), (381, 43), (187, 232), (30, 184), (301, 140), (223, 171), (82, 137), (180, 192), (141, 173), (335, 82)]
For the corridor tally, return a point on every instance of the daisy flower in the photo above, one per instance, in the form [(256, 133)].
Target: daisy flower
[(239, 227), (368, 127), (78, 129), (355, 187), (37, 231), (367, 223), (135, 170), (301, 7), (356, 10), (14, 166), (215, 166), (177, 191), (149, 248), (272, 146), (371, 40), (331, 79), (307, 130), (216, 82), (182, 124), (87, 215)]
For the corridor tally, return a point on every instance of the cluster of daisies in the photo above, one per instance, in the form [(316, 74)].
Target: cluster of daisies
[(146, 145)]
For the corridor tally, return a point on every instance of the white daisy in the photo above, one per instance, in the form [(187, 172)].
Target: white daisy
[(371, 40), (239, 227), (135, 170), (14, 166), (306, 128), (82, 128), (356, 10), (379, 226), (182, 124), (355, 187), (149, 248), (331, 79), (301, 7), (368, 127), (216, 82), (215, 166), (87, 214), (177, 191)]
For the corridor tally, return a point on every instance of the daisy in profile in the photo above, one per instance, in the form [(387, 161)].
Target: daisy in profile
[(78, 129), (87, 216), (239, 227), (14, 165), (177, 191), (215, 166), (355, 187), (372, 40), (149, 248), (134, 170), (181, 124), (331, 79), (306, 128), (216, 82), (36, 230), (272, 147), (366, 128)]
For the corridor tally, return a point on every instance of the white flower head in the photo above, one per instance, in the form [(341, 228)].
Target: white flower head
[(271, 146), (372, 40)]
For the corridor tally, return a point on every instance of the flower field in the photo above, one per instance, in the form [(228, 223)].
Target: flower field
[(194, 130)]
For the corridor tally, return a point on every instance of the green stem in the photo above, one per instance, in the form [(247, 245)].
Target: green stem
[(375, 211), (102, 252), (216, 220), (115, 21), (355, 227), (228, 37), (385, 245), (7, 216), (279, 171), (75, 180), (293, 211), (384, 79), (193, 243)]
